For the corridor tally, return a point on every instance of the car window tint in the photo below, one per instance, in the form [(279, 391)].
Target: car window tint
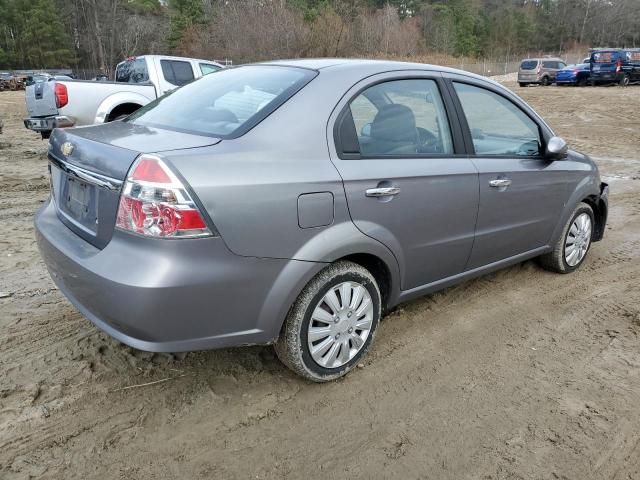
[(132, 71), (561, 64), (207, 68), (529, 64), (498, 126), (225, 104), (547, 64), (401, 117), (177, 72)]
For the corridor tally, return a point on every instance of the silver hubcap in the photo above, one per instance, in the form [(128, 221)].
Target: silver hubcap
[(340, 324), (578, 240)]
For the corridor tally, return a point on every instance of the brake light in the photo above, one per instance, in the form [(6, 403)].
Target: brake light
[(61, 94), (155, 203)]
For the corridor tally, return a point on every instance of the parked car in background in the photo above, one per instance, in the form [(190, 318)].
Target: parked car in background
[(138, 81), (574, 75), (225, 214), (540, 71), (618, 65)]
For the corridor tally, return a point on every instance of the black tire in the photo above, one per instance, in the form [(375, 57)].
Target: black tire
[(292, 347), (582, 82), (522, 84), (545, 81), (555, 260), (625, 80)]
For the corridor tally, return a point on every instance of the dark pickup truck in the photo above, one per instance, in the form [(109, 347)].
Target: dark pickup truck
[(615, 65)]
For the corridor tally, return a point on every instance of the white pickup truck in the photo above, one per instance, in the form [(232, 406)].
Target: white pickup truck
[(138, 80)]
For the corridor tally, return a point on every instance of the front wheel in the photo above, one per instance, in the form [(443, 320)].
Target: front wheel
[(571, 248), (331, 325)]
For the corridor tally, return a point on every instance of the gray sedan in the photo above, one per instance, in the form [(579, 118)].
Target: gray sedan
[(293, 203)]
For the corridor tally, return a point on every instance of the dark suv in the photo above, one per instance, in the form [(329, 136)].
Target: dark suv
[(540, 71), (615, 65)]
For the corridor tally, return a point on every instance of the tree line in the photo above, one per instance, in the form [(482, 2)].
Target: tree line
[(96, 34)]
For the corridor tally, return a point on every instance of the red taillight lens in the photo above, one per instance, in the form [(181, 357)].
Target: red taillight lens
[(155, 203), (61, 94)]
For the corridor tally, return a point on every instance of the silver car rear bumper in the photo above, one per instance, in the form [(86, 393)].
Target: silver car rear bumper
[(170, 295)]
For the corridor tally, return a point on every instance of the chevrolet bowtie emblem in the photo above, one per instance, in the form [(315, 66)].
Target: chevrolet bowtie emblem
[(67, 149)]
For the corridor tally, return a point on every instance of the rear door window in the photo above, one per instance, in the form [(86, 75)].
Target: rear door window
[(132, 71), (177, 72), (549, 64), (529, 65), (401, 117), (498, 126)]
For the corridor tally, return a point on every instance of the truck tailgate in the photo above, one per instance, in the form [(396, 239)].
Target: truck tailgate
[(41, 100)]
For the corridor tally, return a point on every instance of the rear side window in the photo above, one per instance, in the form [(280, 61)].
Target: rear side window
[(401, 117), (633, 56), (227, 104), (207, 68), (529, 65), (498, 126), (177, 72), (549, 64), (132, 71)]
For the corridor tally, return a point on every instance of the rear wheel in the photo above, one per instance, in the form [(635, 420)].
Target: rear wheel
[(571, 248), (522, 84), (331, 326), (545, 81), (625, 80)]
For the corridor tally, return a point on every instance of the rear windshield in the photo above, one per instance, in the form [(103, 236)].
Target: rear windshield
[(132, 71), (227, 103), (529, 65), (604, 57)]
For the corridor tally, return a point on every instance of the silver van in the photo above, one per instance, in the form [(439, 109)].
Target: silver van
[(540, 71)]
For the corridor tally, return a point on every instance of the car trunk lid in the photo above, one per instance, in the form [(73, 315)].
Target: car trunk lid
[(89, 165)]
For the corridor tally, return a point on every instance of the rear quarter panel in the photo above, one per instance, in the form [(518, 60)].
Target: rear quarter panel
[(250, 186)]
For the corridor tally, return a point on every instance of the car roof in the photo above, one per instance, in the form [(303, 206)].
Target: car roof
[(377, 66)]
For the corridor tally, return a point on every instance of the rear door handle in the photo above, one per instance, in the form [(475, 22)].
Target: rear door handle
[(382, 192), (500, 182)]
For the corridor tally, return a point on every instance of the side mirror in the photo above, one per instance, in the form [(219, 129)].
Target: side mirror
[(557, 148), (366, 130)]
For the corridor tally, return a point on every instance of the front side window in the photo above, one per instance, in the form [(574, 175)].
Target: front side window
[(498, 126), (207, 68), (401, 117), (225, 104)]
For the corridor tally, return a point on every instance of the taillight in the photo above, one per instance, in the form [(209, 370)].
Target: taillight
[(62, 96), (155, 203)]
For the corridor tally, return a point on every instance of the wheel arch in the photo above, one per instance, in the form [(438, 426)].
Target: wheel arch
[(600, 213), (289, 284), (113, 101), (122, 109)]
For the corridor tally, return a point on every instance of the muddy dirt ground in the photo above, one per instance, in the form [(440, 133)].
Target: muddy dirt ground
[(520, 374)]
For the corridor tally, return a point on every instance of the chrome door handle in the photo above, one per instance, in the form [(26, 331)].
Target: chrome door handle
[(382, 192), (501, 182)]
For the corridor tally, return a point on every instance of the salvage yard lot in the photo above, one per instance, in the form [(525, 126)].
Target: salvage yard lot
[(519, 374)]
